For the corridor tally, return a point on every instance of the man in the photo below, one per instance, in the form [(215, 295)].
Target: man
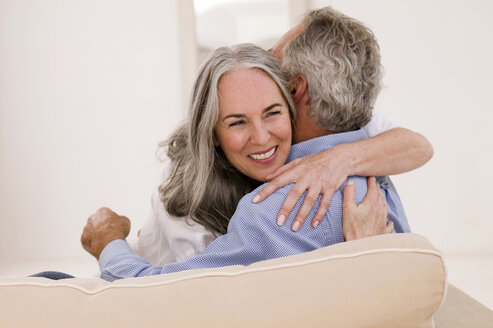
[(318, 129), (390, 150)]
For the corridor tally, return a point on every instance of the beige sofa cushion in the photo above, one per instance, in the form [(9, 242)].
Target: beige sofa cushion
[(385, 281)]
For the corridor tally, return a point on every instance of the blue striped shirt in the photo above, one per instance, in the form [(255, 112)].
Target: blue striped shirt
[(253, 234)]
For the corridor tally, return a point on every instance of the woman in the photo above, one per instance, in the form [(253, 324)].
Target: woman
[(200, 194)]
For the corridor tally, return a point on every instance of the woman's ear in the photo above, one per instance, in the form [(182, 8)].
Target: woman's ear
[(299, 90)]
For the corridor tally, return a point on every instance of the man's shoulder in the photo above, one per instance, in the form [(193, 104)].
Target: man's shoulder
[(277, 196)]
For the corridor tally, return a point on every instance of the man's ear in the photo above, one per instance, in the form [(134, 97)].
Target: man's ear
[(299, 90)]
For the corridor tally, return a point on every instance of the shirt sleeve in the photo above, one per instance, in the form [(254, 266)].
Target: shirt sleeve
[(379, 123), (236, 247), (253, 235)]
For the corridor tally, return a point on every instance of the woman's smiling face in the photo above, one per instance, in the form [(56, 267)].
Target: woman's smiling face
[(254, 126)]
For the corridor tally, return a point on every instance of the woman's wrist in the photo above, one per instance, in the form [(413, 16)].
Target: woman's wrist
[(346, 157)]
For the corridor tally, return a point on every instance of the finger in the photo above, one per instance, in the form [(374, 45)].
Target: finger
[(348, 194), (272, 186), (92, 216), (308, 202), (373, 191), (382, 204), (102, 210), (281, 170), (389, 228), (322, 209), (84, 239), (126, 225), (291, 200)]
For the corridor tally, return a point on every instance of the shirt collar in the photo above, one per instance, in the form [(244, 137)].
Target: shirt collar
[(320, 144)]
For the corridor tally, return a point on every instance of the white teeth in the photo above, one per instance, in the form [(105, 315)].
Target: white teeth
[(265, 155)]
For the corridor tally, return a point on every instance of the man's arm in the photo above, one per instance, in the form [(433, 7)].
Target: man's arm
[(394, 151), (248, 240), (252, 236), (239, 246)]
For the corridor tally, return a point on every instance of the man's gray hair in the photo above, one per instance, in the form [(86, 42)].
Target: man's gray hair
[(202, 184), (340, 59)]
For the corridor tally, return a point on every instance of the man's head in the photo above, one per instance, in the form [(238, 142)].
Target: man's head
[(336, 59)]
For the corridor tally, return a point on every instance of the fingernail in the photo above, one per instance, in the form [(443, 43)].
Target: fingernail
[(256, 198), (350, 183), (281, 220), (315, 224), (296, 226)]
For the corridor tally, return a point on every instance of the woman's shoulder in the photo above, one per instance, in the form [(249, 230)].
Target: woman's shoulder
[(183, 223)]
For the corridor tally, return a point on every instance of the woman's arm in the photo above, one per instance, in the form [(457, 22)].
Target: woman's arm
[(394, 151)]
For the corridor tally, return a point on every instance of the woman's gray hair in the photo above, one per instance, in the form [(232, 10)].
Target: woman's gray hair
[(340, 59), (202, 184)]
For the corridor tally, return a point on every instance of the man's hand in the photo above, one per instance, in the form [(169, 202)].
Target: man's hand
[(103, 227), (319, 174), (369, 217)]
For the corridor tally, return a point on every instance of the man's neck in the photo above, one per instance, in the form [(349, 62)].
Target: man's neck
[(306, 130)]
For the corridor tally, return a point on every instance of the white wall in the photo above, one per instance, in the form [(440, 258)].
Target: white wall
[(438, 62), (87, 90)]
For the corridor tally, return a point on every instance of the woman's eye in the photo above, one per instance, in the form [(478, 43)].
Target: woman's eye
[(237, 123), (276, 112)]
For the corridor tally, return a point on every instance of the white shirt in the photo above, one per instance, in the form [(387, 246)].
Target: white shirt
[(165, 239)]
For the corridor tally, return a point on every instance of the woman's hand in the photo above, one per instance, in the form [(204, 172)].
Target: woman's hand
[(395, 151), (369, 217), (319, 174)]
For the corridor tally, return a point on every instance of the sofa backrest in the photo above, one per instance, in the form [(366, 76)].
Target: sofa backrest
[(394, 280)]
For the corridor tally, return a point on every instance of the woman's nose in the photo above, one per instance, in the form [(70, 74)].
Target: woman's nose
[(260, 134)]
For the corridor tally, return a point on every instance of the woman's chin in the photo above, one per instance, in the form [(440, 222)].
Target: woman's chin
[(262, 176)]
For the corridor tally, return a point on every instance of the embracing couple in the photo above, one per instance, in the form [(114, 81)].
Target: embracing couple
[(308, 103)]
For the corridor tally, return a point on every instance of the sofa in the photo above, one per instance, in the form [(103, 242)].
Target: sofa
[(397, 280)]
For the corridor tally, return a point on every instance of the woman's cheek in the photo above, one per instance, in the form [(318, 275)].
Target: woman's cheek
[(234, 141), (282, 129)]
